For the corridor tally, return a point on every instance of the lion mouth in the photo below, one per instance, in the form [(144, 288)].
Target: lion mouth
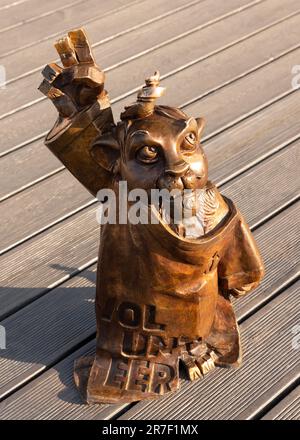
[(184, 214)]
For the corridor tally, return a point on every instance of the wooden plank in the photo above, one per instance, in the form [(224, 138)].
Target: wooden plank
[(242, 393), (66, 314), (55, 197), (245, 96), (44, 27), (170, 56), (38, 207), (266, 340), (122, 21), (7, 4), (207, 72), (48, 260), (281, 254), (25, 12), (47, 329), (56, 386), (28, 165), (44, 113), (254, 139), (43, 110), (268, 395), (254, 90), (116, 51), (286, 409), (158, 34), (274, 178)]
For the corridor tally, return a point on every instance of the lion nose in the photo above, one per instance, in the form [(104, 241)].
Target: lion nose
[(170, 182), (177, 169), (172, 177)]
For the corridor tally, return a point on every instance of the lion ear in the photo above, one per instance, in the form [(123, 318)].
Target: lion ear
[(201, 124), (106, 151)]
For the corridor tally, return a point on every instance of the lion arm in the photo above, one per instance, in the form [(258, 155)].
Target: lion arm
[(70, 140)]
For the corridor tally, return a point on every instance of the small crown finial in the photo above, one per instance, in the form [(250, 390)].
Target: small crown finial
[(151, 91), (146, 98)]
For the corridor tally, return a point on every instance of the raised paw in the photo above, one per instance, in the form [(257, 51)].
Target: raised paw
[(79, 81)]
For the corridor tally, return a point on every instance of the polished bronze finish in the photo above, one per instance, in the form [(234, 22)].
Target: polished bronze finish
[(163, 288)]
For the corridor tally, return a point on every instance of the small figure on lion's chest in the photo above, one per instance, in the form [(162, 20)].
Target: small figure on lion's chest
[(163, 286)]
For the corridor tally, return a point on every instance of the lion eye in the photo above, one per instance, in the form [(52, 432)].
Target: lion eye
[(191, 138), (148, 154)]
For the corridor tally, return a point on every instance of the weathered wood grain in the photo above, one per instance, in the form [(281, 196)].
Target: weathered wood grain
[(245, 144), (42, 112), (47, 329), (286, 409), (245, 96), (267, 187), (207, 71), (61, 399), (7, 4), (48, 259), (281, 255), (37, 208)]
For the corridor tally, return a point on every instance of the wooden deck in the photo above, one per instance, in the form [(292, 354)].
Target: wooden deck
[(229, 61)]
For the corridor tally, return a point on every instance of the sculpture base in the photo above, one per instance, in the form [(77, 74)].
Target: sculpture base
[(111, 378), (107, 379)]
